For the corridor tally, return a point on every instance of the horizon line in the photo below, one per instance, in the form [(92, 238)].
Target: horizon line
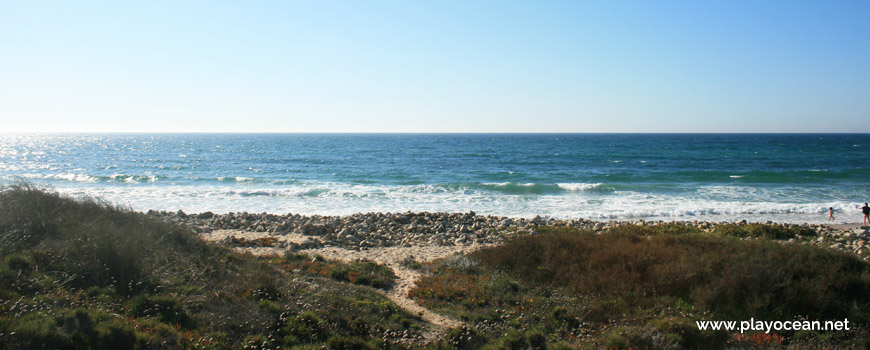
[(421, 133)]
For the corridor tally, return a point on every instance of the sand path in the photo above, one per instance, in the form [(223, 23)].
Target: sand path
[(392, 257), (406, 279)]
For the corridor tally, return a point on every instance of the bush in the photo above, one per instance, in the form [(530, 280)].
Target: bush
[(306, 327), (642, 287), (366, 273), (19, 263), (85, 274), (33, 331), (644, 337), (338, 342), (99, 244), (166, 309), (114, 334), (464, 339), (755, 230), (731, 277), (71, 329)]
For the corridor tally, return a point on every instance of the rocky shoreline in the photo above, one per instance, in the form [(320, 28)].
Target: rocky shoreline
[(369, 230)]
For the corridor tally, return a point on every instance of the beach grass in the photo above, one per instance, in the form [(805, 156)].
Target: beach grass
[(82, 274), (644, 287)]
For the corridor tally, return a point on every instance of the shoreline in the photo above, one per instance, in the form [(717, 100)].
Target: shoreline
[(264, 232), (395, 240), (265, 218)]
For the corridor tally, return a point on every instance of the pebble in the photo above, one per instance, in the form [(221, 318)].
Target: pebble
[(364, 230)]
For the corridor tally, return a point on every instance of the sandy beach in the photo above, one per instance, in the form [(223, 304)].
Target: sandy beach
[(390, 237), (433, 235)]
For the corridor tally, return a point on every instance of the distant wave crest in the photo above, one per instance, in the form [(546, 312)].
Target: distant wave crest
[(85, 178), (579, 186)]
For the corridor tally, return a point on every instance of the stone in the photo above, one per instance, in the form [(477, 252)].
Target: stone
[(310, 243)]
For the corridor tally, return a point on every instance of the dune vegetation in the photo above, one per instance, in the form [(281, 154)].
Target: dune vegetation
[(644, 288), (83, 274)]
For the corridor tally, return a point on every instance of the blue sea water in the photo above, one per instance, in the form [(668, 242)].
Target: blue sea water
[(717, 177)]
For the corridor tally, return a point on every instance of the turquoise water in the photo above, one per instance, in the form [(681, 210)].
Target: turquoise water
[(786, 178)]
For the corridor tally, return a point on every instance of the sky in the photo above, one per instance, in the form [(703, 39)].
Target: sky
[(435, 66)]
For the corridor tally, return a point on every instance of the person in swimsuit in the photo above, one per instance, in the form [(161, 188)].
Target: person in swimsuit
[(831, 215)]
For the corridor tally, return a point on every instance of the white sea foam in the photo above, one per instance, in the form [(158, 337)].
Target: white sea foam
[(578, 186), (124, 178), (675, 189), (72, 177), (8, 167), (713, 203)]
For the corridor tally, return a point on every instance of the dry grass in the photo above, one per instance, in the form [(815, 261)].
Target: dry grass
[(363, 272), (81, 274), (732, 277), (644, 288)]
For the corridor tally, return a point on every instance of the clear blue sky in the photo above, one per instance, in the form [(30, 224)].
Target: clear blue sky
[(435, 66)]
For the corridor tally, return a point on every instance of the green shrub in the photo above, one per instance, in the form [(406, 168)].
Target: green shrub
[(306, 327), (114, 334), (561, 345), (166, 309), (85, 274), (755, 230), (732, 277), (684, 331), (464, 338), (366, 273), (19, 263), (268, 284), (71, 329), (673, 228), (256, 341), (537, 340), (270, 306), (635, 287), (514, 340), (33, 331), (338, 342)]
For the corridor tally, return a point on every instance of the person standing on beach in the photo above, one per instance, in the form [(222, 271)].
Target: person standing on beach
[(866, 210), (831, 215)]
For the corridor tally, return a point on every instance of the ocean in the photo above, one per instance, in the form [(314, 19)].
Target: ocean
[(712, 177)]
